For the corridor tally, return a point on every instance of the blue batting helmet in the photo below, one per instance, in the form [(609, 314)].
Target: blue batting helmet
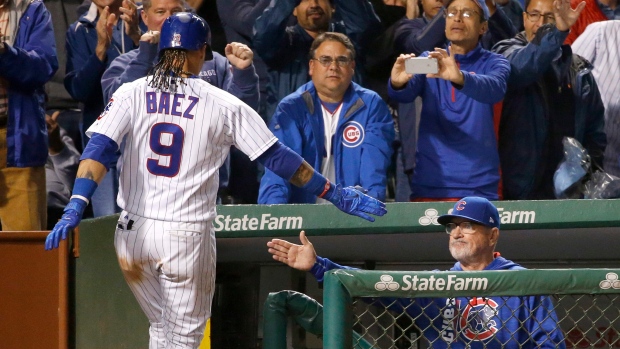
[(185, 30)]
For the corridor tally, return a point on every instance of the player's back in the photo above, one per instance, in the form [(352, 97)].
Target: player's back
[(174, 144)]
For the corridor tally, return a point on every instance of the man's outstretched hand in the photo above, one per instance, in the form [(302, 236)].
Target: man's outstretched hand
[(354, 202), (301, 257)]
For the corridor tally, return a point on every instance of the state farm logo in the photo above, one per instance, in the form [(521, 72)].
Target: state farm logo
[(611, 281), (353, 134), (387, 283), (430, 217)]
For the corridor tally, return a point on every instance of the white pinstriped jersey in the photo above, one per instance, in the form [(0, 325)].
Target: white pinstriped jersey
[(600, 44), (174, 144)]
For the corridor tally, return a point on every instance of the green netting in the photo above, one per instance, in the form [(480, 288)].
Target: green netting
[(576, 308)]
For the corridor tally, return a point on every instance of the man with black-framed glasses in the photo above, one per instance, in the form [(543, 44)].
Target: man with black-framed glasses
[(551, 94), (339, 127)]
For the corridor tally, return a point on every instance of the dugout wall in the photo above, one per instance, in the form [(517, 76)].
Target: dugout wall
[(543, 234)]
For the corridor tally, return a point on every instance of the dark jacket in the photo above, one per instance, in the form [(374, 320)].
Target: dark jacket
[(27, 66), (524, 127)]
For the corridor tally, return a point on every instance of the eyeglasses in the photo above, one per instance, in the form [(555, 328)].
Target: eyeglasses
[(326, 61), (535, 16), (466, 13), (466, 228)]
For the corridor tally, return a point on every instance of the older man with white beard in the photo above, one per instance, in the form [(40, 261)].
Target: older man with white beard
[(473, 226)]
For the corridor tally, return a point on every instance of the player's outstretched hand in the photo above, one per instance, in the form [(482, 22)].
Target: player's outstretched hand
[(69, 221), (300, 257), (352, 201)]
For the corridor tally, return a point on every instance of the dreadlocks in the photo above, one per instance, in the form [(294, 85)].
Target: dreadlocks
[(166, 74)]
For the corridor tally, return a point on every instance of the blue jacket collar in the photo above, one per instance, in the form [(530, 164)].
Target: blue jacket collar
[(471, 56), (352, 101)]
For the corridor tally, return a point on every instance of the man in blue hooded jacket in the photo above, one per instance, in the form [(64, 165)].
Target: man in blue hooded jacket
[(27, 61), (342, 129), (506, 322)]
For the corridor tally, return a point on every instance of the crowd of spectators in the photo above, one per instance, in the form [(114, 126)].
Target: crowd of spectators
[(490, 123)]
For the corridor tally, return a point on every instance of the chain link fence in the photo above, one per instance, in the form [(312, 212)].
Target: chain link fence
[(578, 308)]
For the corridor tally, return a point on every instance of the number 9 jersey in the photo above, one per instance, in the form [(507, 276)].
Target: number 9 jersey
[(172, 145)]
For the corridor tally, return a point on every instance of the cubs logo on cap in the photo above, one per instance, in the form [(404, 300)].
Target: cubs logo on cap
[(176, 40), (353, 134), (475, 209)]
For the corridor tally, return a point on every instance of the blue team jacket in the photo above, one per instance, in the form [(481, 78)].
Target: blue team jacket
[(476, 322), (457, 148), (362, 145), (136, 64), (27, 66)]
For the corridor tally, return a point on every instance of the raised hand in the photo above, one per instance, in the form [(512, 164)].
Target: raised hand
[(53, 131), (104, 32), (352, 201), (239, 55), (399, 77), (301, 257), (151, 37), (448, 69), (129, 14), (565, 16)]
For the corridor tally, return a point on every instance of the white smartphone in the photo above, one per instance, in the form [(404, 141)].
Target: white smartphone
[(421, 65)]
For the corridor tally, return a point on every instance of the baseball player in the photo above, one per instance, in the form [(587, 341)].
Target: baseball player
[(177, 130)]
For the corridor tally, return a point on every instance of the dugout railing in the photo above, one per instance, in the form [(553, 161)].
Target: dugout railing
[(568, 233), (561, 308)]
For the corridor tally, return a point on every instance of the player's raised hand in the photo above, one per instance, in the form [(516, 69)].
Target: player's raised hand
[(399, 77), (239, 55), (69, 221), (301, 257), (354, 202)]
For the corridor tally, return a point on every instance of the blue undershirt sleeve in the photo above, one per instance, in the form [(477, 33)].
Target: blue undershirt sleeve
[(100, 148), (281, 160)]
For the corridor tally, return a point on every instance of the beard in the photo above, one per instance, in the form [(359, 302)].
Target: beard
[(318, 24), (461, 251)]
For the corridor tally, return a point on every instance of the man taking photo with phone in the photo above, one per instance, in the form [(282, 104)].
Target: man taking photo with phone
[(457, 147)]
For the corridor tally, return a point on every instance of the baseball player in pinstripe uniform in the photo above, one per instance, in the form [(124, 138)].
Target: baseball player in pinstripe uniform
[(177, 131), (600, 44)]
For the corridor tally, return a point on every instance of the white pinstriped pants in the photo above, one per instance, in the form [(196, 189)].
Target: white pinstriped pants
[(170, 268)]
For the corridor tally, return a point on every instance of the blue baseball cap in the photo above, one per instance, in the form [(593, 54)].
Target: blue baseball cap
[(485, 9), (481, 4), (475, 209)]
